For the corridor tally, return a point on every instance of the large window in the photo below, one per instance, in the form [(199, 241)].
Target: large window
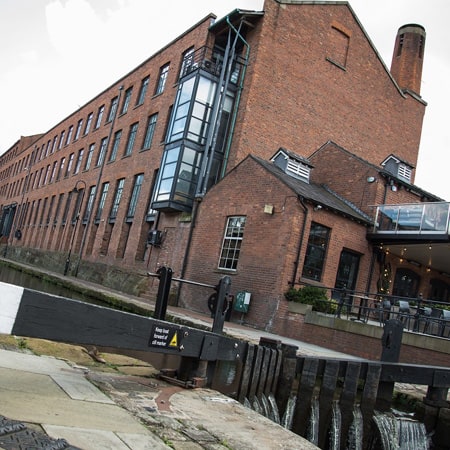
[(115, 146), (135, 195), (406, 283), (113, 109), (100, 112), (101, 203), (143, 91), (316, 251), (117, 198), (89, 157), (88, 123), (348, 270), (151, 125), (102, 152), (89, 204), (232, 242), (78, 163), (131, 138), (163, 72), (126, 100)]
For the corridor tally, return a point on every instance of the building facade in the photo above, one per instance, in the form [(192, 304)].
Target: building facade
[(170, 164)]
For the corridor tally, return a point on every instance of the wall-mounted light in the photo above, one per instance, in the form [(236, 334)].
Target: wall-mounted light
[(268, 209), (317, 207), (371, 179)]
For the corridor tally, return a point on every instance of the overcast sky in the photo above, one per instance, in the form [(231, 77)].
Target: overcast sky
[(58, 54)]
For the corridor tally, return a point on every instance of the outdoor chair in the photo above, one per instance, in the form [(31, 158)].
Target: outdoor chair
[(433, 324), (445, 323), (423, 318), (404, 313)]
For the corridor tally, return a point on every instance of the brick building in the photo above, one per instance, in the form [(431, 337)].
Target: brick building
[(285, 122)]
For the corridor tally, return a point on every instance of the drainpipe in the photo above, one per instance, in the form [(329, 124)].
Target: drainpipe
[(237, 101), (302, 234), (97, 187)]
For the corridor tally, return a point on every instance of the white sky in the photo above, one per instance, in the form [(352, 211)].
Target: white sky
[(58, 54)]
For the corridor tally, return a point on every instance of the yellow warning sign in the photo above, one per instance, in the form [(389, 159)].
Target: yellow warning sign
[(174, 341), (164, 336)]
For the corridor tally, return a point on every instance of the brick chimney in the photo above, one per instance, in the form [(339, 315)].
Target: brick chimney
[(407, 60)]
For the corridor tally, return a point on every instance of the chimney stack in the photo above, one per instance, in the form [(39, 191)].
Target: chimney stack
[(407, 60)]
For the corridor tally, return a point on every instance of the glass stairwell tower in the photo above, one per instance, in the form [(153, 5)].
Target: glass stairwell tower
[(200, 125)]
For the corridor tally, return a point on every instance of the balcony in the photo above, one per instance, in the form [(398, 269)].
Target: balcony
[(211, 60), (416, 232), (412, 221)]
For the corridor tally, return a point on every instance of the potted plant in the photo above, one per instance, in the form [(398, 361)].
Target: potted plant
[(307, 298)]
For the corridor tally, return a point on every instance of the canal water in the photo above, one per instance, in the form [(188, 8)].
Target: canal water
[(28, 280)]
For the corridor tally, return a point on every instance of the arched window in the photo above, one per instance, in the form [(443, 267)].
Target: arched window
[(406, 283)]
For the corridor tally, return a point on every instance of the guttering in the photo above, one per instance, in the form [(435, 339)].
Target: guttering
[(302, 234), (238, 98)]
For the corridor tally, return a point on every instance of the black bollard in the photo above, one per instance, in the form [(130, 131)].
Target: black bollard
[(391, 342), (165, 278), (223, 304)]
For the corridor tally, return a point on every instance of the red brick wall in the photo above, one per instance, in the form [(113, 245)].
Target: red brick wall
[(313, 100)]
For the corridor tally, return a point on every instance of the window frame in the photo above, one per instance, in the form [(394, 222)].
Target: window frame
[(230, 250)]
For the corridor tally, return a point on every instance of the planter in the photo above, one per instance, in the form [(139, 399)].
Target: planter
[(299, 308)]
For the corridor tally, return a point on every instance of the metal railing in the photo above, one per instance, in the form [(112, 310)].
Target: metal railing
[(418, 315)]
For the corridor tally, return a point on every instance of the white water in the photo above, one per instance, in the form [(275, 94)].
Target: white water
[(356, 431), (335, 429), (313, 428), (288, 415)]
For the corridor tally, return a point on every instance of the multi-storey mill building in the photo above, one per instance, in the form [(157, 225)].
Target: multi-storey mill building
[(255, 145)]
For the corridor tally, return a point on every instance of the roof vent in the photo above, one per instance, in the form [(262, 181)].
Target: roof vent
[(292, 164)]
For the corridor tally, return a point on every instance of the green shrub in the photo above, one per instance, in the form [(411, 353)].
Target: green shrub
[(309, 295)]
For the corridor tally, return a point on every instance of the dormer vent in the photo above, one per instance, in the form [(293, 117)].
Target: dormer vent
[(398, 168), (292, 164)]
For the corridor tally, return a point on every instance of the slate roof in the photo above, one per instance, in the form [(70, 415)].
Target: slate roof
[(315, 193)]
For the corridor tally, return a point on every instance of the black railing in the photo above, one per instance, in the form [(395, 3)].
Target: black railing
[(418, 315)]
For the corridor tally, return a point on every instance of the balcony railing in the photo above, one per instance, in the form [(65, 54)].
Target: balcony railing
[(413, 218), (210, 60)]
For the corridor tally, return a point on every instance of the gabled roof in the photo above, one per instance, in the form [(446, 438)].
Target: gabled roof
[(314, 193)]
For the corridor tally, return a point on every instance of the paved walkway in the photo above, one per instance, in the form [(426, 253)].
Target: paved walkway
[(47, 403)]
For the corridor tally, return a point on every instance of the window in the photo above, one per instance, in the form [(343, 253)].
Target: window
[(58, 207), (55, 140), (89, 157), (316, 251), (406, 283), (115, 146), (135, 195), (55, 165), (78, 163), (47, 174), (126, 100), (67, 207), (151, 125), (347, 271), (61, 139), (116, 201), (69, 135), (98, 122), (61, 168), (102, 152), (79, 126), (131, 139), (113, 109), (69, 164), (101, 203), (163, 72), (88, 123), (143, 91), (232, 242), (186, 61), (89, 204)]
